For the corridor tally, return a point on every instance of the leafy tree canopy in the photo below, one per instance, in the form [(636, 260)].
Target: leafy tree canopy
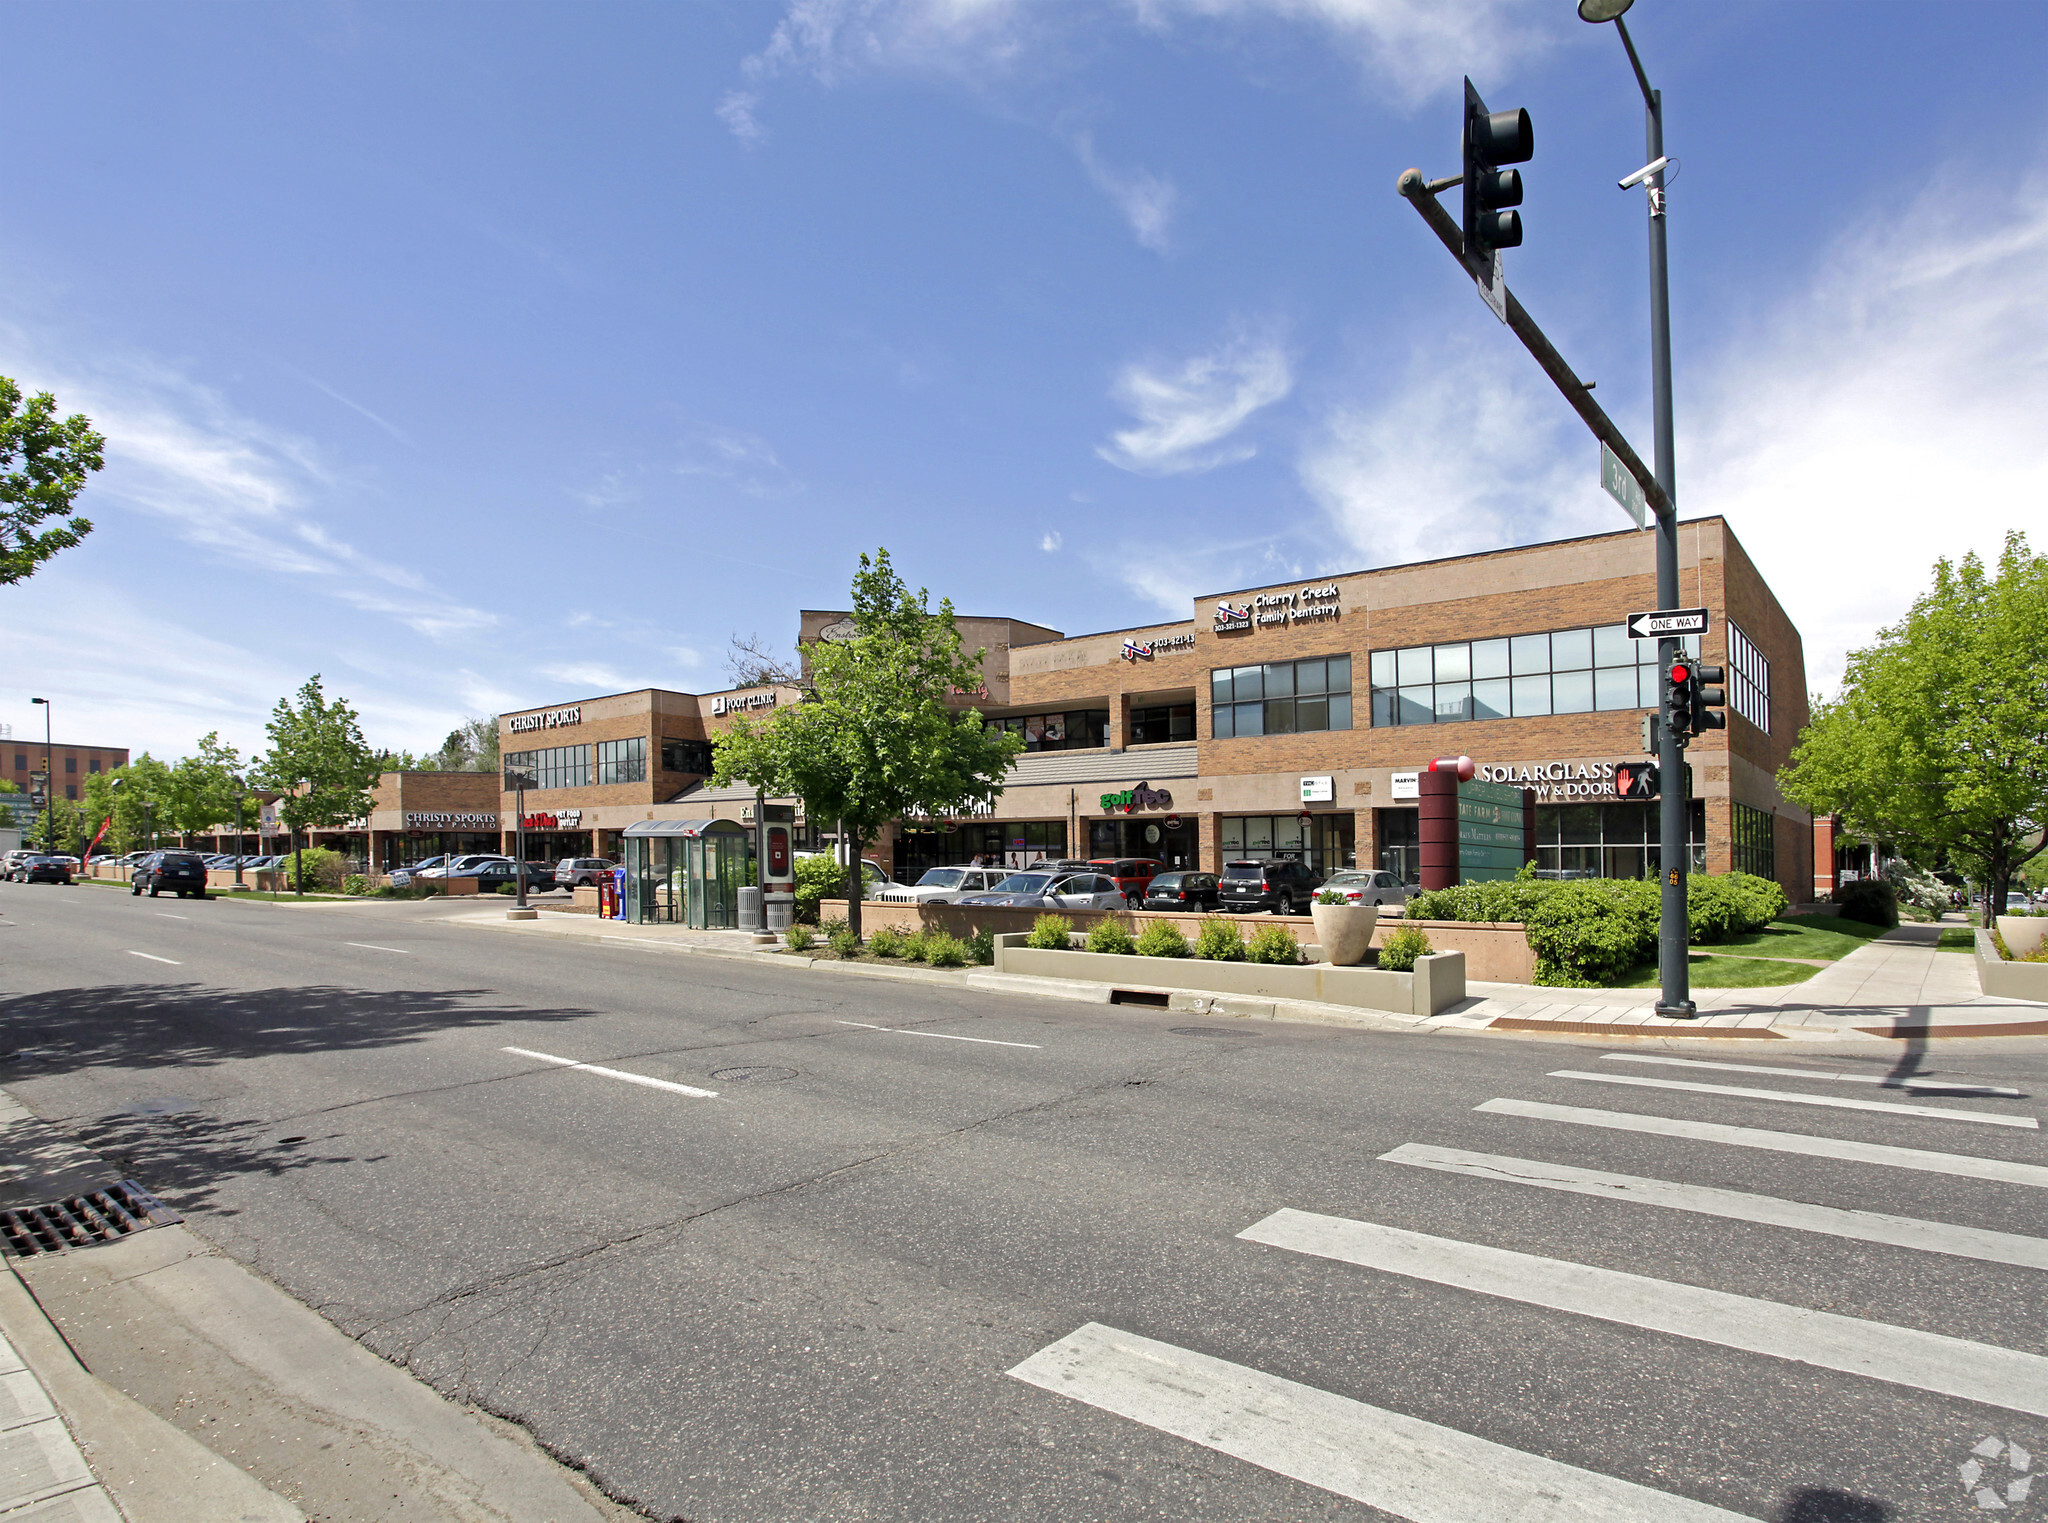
[(1938, 741), (44, 461), (318, 743), (875, 737)]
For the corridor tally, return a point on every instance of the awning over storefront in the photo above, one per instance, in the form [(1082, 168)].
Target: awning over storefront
[(669, 827)]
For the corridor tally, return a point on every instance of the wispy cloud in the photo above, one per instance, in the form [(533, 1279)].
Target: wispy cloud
[(736, 110), (356, 407), (1187, 411), (1147, 201), (584, 674), (610, 490), (685, 657), (742, 460), (1051, 541)]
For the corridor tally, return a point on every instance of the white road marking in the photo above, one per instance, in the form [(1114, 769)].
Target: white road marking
[(941, 1035), (1788, 1097), (1999, 1377), (1401, 1465), (167, 915), (1814, 1073), (1865, 1226), (1962, 1165), (154, 958), (369, 946), (617, 1073)]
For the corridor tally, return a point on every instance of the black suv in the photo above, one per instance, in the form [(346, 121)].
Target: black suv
[(184, 871), (1279, 884)]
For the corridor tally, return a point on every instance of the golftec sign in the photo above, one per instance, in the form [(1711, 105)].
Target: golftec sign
[(1144, 796)]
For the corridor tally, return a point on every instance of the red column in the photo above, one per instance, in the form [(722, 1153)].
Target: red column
[(1437, 828)]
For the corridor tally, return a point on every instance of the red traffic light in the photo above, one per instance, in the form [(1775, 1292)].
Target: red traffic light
[(1680, 672)]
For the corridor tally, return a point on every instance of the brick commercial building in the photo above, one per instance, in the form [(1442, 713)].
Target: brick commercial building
[(70, 766), (1286, 720)]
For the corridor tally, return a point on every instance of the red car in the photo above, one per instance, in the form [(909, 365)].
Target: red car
[(1133, 874)]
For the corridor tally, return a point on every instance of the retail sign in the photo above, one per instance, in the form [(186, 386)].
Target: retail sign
[(566, 819), (1298, 605), (1667, 622), (546, 719), (733, 703), (845, 629), (1556, 779), (1144, 796), (1318, 790), (451, 822), (1407, 785), (1145, 650)]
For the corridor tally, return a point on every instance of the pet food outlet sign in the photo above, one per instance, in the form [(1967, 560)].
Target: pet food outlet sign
[(1299, 605), (567, 819), (1144, 796)]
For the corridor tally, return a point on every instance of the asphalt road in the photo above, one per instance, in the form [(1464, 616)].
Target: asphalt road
[(925, 1254)]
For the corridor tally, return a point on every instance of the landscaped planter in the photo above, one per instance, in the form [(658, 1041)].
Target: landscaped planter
[(2022, 933), (1344, 931), (2009, 980), (1437, 983)]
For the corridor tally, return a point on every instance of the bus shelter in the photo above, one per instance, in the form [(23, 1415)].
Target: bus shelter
[(687, 872)]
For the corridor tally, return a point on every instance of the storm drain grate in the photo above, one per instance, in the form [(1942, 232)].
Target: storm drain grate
[(101, 1216)]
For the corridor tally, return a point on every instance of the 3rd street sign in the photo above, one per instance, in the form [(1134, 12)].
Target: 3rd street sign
[(1670, 621)]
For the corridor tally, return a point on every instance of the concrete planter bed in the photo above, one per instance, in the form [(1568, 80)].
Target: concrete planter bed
[(1496, 953), (2009, 980), (1437, 983)]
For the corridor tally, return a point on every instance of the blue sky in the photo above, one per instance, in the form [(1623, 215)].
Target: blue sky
[(481, 356)]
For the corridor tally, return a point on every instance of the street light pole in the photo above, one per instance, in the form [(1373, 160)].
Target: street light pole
[(1674, 813), (240, 794), (49, 782)]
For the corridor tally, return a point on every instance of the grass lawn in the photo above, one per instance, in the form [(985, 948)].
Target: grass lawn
[(1710, 972), (1957, 939), (1824, 936)]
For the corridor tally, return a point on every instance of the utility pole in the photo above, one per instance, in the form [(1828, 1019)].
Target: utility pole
[(49, 783)]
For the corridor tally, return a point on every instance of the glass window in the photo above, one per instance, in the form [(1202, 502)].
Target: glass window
[(1162, 722), (1340, 674), (1340, 711), (1248, 682), (1531, 696), (1279, 716), (1489, 658), (1612, 646), (1649, 687), (1571, 650), (1382, 668), (1219, 686), (1489, 699), (622, 761), (1530, 653), (1386, 706), (1417, 706), (1279, 680), (1223, 722), (1614, 688), (1311, 676), (1414, 665), (555, 767), (1281, 698), (1453, 701), (1312, 713), (1453, 663), (1572, 692), (1251, 719)]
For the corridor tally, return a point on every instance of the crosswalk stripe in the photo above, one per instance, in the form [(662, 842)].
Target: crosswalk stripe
[(1884, 1080), (1789, 1097), (1981, 1372), (1865, 1226), (1412, 1469), (1962, 1165)]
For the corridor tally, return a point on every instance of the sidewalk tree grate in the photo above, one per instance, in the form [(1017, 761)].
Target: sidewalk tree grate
[(105, 1215)]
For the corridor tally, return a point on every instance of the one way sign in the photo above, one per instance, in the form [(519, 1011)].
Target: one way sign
[(1668, 621)]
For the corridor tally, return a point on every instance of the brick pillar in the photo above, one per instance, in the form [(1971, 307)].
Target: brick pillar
[(376, 862), (1823, 856), (1208, 848), (1365, 841)]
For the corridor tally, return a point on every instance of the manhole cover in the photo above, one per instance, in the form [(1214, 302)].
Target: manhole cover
[(1212, 1031), (753, 1073)]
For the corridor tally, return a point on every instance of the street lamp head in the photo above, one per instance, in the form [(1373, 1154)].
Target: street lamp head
[(39, 700), (1597, 11)]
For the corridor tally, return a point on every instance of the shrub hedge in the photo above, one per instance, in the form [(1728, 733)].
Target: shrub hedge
[(1162, 938), (1399, 951), (1049, 933), (1273, 944), (1219, 940), (1110, 936), (1870, 900)]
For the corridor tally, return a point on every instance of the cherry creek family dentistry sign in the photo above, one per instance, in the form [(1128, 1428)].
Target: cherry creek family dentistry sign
[(1302, 605)]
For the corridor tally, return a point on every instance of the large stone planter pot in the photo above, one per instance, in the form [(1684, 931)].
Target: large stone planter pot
[(2022, 933), (1344, 931)]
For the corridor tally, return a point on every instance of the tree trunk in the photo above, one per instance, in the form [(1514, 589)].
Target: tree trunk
[(853, 883)]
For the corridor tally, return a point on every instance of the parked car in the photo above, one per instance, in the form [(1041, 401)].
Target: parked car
[(10, 863), (943, 885), (1054, 891), (462, 867), (1279, 884), (1182, 891), (2017, 903), (183, 871), (43, 870), (494, 874), (582, 872), (1377, 886), (1132, 874)]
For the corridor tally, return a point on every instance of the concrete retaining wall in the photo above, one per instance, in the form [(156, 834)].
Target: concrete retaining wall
[(1437, 982), (1494, 953), (2009, 980)]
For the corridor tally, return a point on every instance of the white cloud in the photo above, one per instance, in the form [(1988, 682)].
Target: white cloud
[(685, 657), (737, 112), (1051, 542), (1187, 412), (1887, 415), (610, 490), (1146, 200), (584, 674), (741, 460)]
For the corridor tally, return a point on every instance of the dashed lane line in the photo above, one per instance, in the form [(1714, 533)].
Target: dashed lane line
[(943, 1036), (154, 958), (1885, 1080), (370, 946), (617, 1073), (1905, 1356), (1735, 1205), (1405, 1467), (1790, 1097)]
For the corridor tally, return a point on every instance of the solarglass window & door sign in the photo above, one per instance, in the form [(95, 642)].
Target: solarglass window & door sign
[(546, 719)]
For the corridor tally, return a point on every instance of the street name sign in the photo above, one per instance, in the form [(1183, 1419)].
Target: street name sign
[(1668, 621), (1623, 487)]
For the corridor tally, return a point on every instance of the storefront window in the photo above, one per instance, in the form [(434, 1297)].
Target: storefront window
[(1076, 730), (1162, 722), (1749, 680), (1755, 841), (1281, 698), (692, 756), (1325, 842), (1608, 840), (1568, 671), (556, 767), (622, 761)]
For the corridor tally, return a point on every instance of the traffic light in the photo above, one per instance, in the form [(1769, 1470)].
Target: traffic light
[(1707, 701), (1493, 138), (1678, 685)]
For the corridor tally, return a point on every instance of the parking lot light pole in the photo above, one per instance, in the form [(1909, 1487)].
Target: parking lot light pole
[(299, 851), (240, 793), (1674, 801), (49, 783)]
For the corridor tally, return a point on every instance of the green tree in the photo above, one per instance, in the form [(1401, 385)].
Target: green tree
[(44, 461), (875, 737), (203, 787), (1938, 741), (318, 763), (471, 746)]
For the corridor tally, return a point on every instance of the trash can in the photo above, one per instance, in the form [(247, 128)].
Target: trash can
[(781, 911), (750, 909)]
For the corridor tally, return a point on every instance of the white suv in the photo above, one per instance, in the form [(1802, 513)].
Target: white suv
[(944, 885)]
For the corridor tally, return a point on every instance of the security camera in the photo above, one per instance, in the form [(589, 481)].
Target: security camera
[(1644, 173)]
